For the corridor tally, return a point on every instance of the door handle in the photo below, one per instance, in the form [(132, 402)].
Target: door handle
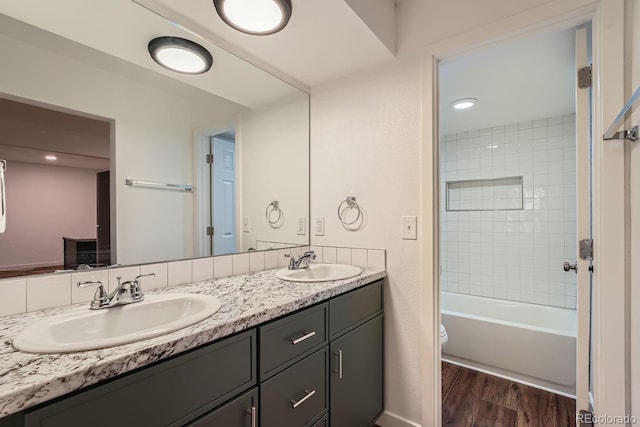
[(339, 370), (567, 266)]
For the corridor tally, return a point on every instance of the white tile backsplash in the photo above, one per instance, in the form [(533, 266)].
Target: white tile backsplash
[(202, 269), (179, 272), (515, 249), (13, 297), (48, 291)]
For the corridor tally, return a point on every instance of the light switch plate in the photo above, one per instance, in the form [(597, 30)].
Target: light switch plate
[(246, 224), (318, 226), (409, 227), (302, 226)]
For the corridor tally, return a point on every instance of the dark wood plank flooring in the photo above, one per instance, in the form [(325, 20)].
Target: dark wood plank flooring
[(474, 399)]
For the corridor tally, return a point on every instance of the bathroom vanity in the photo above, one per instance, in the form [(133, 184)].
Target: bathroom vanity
[(302, 355)]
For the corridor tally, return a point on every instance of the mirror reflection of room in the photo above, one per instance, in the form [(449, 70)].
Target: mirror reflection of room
[(57, 189)]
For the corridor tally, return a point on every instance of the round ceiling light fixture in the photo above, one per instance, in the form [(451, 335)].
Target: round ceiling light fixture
[(256, 17), (180, 55), (464, 103)]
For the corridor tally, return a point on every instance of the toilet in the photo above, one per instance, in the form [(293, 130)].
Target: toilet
[(443, 337)]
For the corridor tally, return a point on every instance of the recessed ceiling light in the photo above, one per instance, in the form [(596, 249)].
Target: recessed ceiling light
[(181, 55), (257, 17), (50, 157), (464, 103)]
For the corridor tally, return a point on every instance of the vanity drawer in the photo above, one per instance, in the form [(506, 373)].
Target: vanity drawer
[(303, 385), (240, 412), (167, 394), (289, 339), (322, 422), (351, 309)]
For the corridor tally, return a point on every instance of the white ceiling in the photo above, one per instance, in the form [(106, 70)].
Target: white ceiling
[(526, 79), (323, 40)]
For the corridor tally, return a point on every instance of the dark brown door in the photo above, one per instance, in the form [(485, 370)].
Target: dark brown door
[(103, 232)]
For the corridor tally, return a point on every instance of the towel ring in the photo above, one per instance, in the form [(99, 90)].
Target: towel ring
[(350, 202), (271, 208)]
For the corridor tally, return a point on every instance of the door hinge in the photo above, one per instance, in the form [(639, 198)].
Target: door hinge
[(585, 77), (209, 231), (209, 159), (585, 418), (586, 249)]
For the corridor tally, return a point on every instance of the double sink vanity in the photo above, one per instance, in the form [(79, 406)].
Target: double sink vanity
[(277, 351)]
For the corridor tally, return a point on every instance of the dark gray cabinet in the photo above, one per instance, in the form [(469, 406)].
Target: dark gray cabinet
[(240, 412), (170, 393), (297, 396), (357, 376), (320, 366)]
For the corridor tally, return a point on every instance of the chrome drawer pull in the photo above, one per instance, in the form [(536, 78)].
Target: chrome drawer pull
[(301, 401), (339, 370), (253, 413), (302, 338)]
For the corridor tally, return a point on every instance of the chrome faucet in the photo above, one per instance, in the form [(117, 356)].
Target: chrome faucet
[(126, 292), (302, 261)]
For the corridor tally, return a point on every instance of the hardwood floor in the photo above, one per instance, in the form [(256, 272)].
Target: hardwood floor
[(474, 399)]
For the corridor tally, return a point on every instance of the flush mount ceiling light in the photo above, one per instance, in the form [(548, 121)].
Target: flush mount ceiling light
[(50, 157), (464, 103), (181, 55), (257, 17)]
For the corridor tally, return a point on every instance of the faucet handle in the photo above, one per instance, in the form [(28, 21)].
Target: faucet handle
[(100, 297), (136, 288)]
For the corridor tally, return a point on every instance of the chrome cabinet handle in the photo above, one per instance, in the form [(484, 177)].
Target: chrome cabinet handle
[(339, 370), (308, 394), (567, 266), (302, 338), (254, 419)]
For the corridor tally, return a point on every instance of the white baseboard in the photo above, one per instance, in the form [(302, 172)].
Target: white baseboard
[(388, 419)]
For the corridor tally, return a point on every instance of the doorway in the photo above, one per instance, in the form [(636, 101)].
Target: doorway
[(508, 222)]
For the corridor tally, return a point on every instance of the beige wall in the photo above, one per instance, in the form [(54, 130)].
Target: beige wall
[(44, 204)]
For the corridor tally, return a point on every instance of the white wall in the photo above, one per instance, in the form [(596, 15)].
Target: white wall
[(632, 39), (366, 137), (513, 254), (44, 204), (153, 141), (273, 144)]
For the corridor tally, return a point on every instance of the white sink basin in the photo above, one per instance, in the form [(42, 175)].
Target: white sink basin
[(84, 329), (320, 273)]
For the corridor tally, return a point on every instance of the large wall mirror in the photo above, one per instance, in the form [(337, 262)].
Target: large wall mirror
[(111, 159)]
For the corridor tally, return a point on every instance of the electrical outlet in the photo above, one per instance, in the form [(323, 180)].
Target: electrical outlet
[(409, 227), (246, 224), (302, 226), (318, 226)]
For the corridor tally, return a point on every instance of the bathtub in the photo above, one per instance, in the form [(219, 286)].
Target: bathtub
[(528, 343)]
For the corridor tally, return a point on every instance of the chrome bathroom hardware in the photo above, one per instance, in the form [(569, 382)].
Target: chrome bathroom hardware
[(3, 165), (628, 134), (160, 185), (348, 203), (339, 370), (302, 261), (308, 394), (568, 267), (306, 336), (130, 288), (271, 208)]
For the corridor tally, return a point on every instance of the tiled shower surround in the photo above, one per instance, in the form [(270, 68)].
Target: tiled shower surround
[(505, 240)]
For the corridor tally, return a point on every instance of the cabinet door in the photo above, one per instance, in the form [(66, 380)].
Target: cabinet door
[(357, 376), (240, 412)]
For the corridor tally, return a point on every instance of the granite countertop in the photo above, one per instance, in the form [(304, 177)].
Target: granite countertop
[(247, 300)]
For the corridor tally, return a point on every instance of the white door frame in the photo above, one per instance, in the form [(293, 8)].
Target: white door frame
[(610, 384)]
